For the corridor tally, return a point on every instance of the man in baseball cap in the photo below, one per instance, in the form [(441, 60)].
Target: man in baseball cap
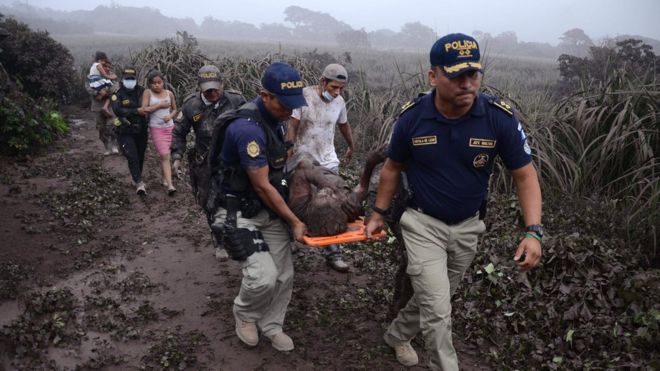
[(284, 82), (312, 131), (209, 77), (252, 218), (455, 54), (198, 114)]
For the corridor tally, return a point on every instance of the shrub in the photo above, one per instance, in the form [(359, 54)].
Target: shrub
[(40, 64), (29, 124)]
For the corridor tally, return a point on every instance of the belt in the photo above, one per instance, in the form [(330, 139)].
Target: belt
[(446, 221)]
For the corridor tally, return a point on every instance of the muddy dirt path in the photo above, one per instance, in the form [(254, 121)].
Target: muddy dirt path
[(94, 277)]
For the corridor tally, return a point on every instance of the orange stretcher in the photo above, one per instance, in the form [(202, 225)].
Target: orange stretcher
[(354, 233)]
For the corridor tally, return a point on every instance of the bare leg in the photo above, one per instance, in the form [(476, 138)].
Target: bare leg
[(167, 173)]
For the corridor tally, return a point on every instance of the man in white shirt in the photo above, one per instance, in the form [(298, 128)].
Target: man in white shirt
[(312, 130)]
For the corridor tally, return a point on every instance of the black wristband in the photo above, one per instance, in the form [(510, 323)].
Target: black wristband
[(380, 211)]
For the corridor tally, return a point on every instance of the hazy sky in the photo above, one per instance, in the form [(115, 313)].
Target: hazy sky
[(532, 20)]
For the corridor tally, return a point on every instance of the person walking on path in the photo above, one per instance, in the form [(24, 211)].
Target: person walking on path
[(447, 142), (131, 125), (199, 112), (253, 220), (160, 104), (312, 132)]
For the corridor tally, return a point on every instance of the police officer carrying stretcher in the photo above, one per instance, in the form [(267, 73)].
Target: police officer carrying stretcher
[(199, 112), (447, 142), (247, 162)]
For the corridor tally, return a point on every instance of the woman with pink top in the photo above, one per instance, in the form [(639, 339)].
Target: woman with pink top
[(161, 106)]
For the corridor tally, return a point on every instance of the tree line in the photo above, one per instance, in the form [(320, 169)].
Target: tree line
[(300, 25)]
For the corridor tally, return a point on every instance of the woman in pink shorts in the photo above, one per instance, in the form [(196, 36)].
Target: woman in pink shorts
[(161, 105)]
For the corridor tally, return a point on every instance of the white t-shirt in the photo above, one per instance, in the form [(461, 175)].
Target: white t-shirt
[(316, 132)]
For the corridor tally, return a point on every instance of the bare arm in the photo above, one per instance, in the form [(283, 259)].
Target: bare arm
[(150, 109), (172, 107), (105, 73), (272, 199), (345, 129), (374, 158), (529, 194), (390, 176)]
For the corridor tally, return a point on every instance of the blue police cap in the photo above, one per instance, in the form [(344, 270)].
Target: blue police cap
[(284, 81), (456, 53)]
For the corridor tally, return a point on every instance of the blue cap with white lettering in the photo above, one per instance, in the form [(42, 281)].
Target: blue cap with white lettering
[(284, 81), (455, 54)]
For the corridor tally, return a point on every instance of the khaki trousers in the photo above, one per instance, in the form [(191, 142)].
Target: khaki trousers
[(267, 276), (438, 256)]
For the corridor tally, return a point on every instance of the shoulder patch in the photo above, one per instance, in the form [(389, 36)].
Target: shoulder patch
[(114, 97), (253, 149), (502, 105)]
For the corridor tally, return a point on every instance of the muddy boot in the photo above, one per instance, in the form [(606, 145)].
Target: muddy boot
[(221, 254), (247, 332), (405, 353), (281, 342)]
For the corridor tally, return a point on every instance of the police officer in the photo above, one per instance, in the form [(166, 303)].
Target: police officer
[(447, 141), (199, 112), (253, 219), (131, 125)]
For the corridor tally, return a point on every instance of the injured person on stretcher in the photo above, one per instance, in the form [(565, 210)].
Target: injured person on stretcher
[(323, 200)]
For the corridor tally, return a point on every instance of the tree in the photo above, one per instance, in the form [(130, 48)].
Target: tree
[(311, 25), (354, 39), (575, 42), (417, 34)]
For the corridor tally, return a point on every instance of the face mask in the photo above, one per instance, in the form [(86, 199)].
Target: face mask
[(327, 96), (129, 83)]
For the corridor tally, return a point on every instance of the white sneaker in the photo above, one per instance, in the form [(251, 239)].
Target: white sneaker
[(141, 189), (114, 150)]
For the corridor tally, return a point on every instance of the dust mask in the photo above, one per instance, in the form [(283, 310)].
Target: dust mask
[(327, 96), (129, 83)]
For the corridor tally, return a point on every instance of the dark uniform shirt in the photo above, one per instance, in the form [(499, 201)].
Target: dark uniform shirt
[(450, 160), (201, 117), (245, 141), (125, 104)]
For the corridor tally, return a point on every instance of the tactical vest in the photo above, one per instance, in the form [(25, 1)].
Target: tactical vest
[(233, 179)]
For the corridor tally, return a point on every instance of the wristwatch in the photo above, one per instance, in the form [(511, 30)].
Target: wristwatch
[(536, 229), (380, 211)]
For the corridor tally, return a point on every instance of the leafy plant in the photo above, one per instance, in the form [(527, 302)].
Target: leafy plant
[(29, 124), (40, 64)]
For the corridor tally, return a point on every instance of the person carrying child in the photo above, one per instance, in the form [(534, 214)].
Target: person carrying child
[(100, 76)]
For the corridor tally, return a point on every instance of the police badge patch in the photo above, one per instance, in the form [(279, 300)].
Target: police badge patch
[(480, 161), (253, 149)]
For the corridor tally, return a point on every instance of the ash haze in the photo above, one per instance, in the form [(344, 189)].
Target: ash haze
[(540, 21)]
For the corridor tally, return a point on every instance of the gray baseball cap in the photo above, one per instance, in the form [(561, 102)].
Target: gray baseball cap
[(209, 77), (335, 72)]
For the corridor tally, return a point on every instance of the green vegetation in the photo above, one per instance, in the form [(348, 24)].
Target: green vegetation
[(593, 126), (36, 74)]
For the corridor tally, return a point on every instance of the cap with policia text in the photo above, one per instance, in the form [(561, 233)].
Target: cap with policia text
[(209, 77), (284, 81), (456, 53), (129, 72)]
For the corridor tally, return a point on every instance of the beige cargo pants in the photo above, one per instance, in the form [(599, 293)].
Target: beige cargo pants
[(438, 256), (267, 282)]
